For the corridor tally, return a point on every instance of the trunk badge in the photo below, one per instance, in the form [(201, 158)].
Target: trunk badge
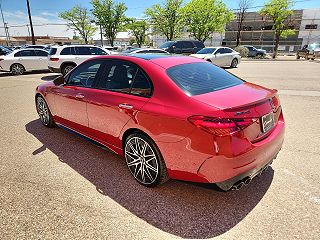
[(241, 113)]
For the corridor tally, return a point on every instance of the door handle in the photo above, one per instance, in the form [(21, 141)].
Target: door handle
[(79, 95), (125, 106)]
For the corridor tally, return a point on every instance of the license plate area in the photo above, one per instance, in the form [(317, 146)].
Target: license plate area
[(267, 122)]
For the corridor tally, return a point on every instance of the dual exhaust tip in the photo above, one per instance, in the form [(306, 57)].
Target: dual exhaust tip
[(238, 185)]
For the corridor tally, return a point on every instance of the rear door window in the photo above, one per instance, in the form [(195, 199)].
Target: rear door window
[(141, 85), (41, 53), (96, 51), (200, 78), (187, 44)]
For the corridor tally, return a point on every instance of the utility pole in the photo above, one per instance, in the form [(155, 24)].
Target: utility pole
[(30, 20), (4, 25)]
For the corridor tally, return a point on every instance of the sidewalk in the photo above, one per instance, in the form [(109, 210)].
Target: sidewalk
[(279, 58)]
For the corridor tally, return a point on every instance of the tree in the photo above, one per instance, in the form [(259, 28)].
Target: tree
[(80, 20), (203, 17), (279, 11), (110, 16), (166, 18), (138, 29), (243, 5)]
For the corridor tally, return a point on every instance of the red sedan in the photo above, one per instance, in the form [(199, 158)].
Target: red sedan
[(170, 117)]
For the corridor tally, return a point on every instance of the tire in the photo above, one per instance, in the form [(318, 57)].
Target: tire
[(44, 112), (298, 57), (17, 69), (234, 63), (67, 68), (144, 160), (208, 60)]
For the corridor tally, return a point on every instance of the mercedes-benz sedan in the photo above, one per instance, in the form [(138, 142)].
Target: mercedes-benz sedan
[(170, 117)]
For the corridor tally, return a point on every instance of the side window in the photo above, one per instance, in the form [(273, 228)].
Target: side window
[(118, 76), (220, 50), (41, 53), (141, 85), (227, 50), (66, 51), (85, 74), (27, 53), (82, 51), (96, 51), (188, 44), (178, 45), (17, 54), (199, 44), (156, 51)]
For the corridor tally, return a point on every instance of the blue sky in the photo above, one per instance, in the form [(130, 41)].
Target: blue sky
[(46, 11)]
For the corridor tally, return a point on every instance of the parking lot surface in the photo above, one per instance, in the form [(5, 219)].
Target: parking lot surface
[(56, 185)]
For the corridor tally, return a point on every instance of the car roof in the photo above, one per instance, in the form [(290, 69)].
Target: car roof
[(164, 61)]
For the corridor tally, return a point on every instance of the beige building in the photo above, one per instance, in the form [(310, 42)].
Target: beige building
[(42, 40)]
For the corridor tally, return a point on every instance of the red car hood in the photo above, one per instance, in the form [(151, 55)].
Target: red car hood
[(241, 96)]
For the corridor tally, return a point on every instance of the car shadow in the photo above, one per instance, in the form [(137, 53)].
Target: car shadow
[(50, 77), (188, 210)]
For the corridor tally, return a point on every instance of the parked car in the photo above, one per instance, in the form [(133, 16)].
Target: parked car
[(4, 51), (183, 46), (62, 59), (145, 51), (169, 116), (20, 61), (221, 56), (110, 50), (309, 51), (254, 52)]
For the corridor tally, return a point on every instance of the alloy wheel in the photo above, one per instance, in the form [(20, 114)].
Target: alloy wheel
[(67, 69), (141, 160), (17, 69), (43, 111)]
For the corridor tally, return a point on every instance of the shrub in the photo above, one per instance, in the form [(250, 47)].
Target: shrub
[(242, 50)]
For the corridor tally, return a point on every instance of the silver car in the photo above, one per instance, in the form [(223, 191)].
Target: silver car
[(221, 56)]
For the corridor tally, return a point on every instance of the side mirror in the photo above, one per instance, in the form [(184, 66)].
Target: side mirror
[(174, 47), (59, 80)]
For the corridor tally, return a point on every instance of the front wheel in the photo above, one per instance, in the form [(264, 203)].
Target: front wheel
[(234, 63), (17, 69), (44, 112), (144, 160)]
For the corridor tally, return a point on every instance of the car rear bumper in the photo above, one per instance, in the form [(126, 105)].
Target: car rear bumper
[(54, 70)]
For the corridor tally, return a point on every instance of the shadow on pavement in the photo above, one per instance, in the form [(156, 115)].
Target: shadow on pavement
[(50, 77), (184, 209), (7, 74)]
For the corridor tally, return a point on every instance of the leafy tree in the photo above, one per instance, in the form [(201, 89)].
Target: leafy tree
[(80, 20), (138, 29), (203, 17), (110, 16), (166, 18), (243, 6), (279, 11)]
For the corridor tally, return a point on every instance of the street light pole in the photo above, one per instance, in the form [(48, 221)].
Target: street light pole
[(4, 25), (30, 20)]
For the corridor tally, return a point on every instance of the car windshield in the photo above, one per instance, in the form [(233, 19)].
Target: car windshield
[(206, 51), (166, 45), (200, 78)]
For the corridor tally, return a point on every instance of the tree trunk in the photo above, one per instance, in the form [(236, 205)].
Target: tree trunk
[(238, 37), (276, 46)]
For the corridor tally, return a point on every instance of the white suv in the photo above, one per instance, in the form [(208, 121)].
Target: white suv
[(62, 59)]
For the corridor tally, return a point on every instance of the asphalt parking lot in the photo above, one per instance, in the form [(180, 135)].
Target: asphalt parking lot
[(55, 185)]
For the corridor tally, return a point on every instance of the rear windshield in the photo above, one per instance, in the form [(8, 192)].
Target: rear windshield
[(52, 51), (200, 78)]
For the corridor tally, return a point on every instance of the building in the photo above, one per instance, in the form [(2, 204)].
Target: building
[(257, 31), (41, 40), (310, 26)]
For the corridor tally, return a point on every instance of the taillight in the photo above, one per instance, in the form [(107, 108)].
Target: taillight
[(54, 59), (275, 102), (221, 126)]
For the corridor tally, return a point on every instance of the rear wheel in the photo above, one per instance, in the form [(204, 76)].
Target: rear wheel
[(17, 69), (67, 68), (144, 160), (44, 112), (234, 63)]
